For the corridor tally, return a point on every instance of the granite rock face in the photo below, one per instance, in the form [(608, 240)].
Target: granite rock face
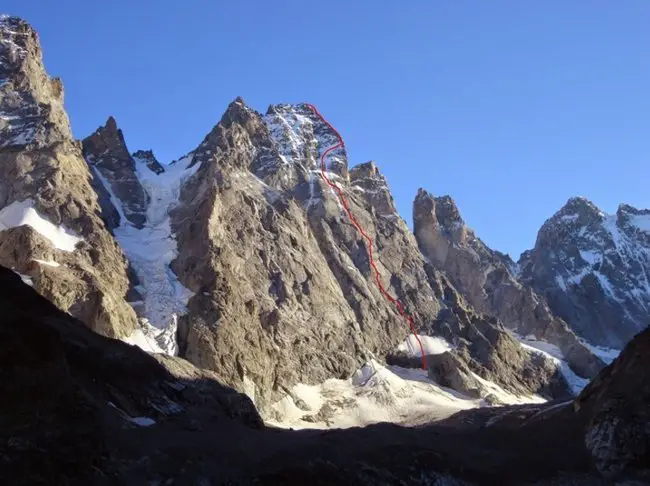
[(284, 290), (616, 406), (488, 280), (50, 221), (106, 153), (594, 270)]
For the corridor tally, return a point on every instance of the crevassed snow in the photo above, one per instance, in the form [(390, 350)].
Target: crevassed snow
[(377, 393), (143, 341), (20, 213), (431, 345), (150, 250), (505, 396)]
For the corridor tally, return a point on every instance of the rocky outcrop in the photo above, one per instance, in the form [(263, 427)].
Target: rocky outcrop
[(594, 270), (106, 153), (616, 406), (50, 224), (491, 352), (487, 280)]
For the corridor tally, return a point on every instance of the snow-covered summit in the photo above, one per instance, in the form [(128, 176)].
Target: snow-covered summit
[(302, 137)]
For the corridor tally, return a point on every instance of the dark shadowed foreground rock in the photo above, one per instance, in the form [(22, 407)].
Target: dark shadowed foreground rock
[(81, 409), (68, 392), (617, 408)]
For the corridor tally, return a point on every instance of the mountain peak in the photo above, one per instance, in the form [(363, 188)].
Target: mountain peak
[(437, 220), (237, 112), (107, 139), (301, 137), (365, 170), (627, 209), (31, 104), (370, 182), (581, 207), (443, 208)]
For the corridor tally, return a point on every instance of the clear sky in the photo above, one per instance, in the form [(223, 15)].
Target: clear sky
[(511, 107)]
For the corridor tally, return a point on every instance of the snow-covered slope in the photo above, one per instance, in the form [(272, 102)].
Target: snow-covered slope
[(379, 393), (594, 269)]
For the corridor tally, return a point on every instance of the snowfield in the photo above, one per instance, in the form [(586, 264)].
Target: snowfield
[(380, 393)]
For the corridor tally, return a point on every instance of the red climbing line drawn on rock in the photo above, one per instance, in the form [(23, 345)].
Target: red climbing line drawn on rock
[(370, 245)]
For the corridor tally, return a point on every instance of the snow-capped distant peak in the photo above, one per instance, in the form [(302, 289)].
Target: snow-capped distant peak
[(589, 259)]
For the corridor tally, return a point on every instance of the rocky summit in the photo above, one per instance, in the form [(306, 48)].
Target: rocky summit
[(594, 270), (228, 293)]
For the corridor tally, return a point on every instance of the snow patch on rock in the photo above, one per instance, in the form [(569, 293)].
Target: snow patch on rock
[(378, 393), (430, 344), (20, 213)]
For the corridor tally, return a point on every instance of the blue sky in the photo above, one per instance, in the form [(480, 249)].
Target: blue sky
[(511, 107)]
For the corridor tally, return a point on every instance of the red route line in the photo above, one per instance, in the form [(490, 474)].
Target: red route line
[(356, 224)]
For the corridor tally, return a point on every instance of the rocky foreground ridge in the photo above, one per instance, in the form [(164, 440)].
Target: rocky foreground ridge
[(80, 408)]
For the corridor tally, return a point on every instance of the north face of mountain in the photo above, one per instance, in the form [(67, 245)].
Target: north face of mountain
[(284, 292), (50, 225), (616, 406), (486, 279), (594, 270)]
